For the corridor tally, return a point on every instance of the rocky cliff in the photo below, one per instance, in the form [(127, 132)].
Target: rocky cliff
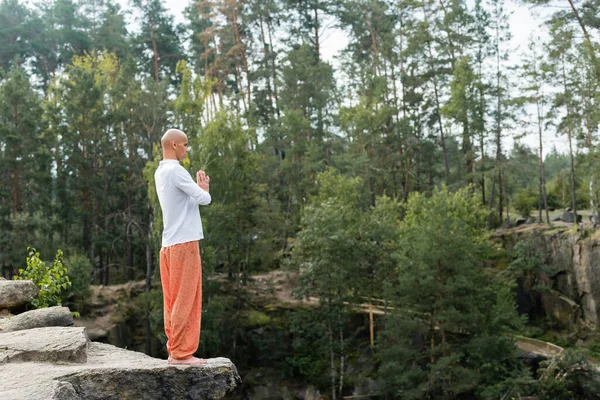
[(567, 289), (60, 362)]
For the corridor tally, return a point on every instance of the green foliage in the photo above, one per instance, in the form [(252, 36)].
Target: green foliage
[(50, 280), (416, 99), (525, 201), (559, 191), (343, 255), (80, 276), (526, 257), (255, 318), (308, 345), (452, 318), (568, 376)]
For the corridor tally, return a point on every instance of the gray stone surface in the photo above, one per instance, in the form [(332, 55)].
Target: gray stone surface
[(568, 216), (572, 266), (114, 373), (43, 317), (53, 344), (563, 311), (15, 294)]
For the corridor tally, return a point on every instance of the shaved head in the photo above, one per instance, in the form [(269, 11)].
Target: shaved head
[(174, 144), (172, 134)]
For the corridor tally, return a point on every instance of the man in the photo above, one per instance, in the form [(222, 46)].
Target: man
[(180, 265)]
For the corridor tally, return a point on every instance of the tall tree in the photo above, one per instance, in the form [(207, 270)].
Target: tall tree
[(159, 37), (560, 54), (20, 114), (15, 33), (452, 319), (533, 74)]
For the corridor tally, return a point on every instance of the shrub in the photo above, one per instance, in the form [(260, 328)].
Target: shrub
[(51, 281), (525, 201), (80, 271)]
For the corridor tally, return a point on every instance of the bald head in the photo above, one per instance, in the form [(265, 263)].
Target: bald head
[(174, 144), (172, 135)]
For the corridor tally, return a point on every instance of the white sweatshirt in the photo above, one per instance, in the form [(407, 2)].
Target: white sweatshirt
[(179, 197)]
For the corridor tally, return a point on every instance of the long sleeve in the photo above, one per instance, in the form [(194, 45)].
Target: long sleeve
[(182, 180)]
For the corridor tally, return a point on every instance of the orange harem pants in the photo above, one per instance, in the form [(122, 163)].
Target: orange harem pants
[(181, 275)]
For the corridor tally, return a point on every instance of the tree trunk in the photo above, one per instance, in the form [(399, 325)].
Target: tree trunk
[(543, 196), (154, 49), (240, 87), (268, 79), (243, 53), (401, 61), (149, 273), (507, 210), (273, 70), (570, 134), (491, 206), (15, 191), (317, 41), (439, 114), (332, 364), (371, 327), (341, 362), (499, 127)]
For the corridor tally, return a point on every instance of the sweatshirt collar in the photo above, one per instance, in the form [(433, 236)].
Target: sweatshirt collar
[(169, 162)]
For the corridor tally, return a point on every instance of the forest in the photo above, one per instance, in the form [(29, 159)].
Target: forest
[(376, 179)]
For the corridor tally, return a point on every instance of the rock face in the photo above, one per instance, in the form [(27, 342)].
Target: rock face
[(572, 275), (15, 294), (53, 344), (102, 372), (568, 216), (51, 316)]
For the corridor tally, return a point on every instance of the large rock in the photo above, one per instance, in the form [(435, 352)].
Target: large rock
[(53, 344), (562, 311), (571, 271), (43, 317), (15, 294), (112, 373), (569, 216)]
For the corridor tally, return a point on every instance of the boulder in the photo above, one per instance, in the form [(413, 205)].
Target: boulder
[(520, 221), (560, 309), (43, 317), (16, 294), (107, 373), (53, 344), (568, 216)]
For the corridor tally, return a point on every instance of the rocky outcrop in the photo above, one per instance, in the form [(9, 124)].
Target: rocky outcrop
[(53, 344), (101, 371), (571, 274), (51, 316), (16, 294)]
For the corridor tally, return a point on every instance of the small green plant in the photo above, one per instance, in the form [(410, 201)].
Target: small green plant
[(524, 202), (51, 281)]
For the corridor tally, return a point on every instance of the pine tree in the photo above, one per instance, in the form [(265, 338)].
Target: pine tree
[(452, 319)]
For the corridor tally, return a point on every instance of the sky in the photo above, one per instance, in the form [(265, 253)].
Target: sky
[(524, 21)]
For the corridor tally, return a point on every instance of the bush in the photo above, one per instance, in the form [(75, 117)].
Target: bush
[(567, 377), (80, 271), (51, 281), (525, 201)]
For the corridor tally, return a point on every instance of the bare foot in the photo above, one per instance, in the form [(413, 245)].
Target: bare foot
[(186, 361)]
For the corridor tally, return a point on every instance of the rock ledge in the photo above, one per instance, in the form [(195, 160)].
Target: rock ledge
[(62, 364)]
